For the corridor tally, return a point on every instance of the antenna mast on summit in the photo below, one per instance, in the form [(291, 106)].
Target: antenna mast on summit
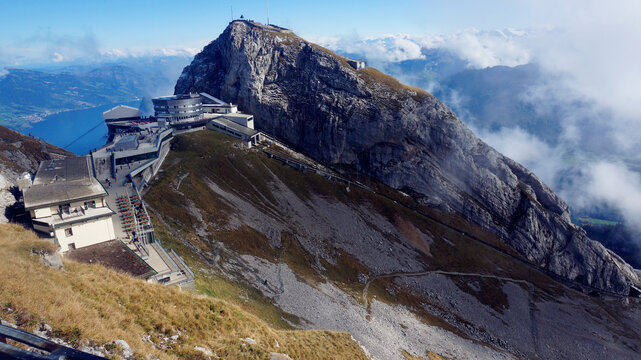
[(231, 8), (267, 2)]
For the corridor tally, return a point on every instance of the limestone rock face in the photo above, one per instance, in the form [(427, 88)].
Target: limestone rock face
[(312, 99)]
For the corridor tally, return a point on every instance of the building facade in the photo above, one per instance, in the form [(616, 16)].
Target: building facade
[(213, 105), (178, 108), (66, 202), (248, 136)]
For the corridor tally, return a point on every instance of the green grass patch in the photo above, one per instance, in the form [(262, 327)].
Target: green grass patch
[(587, 220)]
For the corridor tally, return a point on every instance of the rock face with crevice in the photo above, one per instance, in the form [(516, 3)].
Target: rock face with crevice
[(312, 99)]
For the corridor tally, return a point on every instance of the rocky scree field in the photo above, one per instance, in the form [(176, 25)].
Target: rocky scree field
[(303, 252)]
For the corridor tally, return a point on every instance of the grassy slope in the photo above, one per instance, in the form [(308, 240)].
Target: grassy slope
[(91, 303), (246, 174)]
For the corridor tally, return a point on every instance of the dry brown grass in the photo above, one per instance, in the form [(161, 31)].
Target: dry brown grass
[(93, 303), (409, 356), (370, 74), (434, 356)]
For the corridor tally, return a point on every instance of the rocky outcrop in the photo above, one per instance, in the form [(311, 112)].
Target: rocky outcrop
[(312, 99), (19, 153)]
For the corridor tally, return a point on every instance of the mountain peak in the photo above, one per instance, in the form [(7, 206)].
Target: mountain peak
[(367, 121)]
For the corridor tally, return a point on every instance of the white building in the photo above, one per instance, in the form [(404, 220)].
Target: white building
[(241, 119), (67, 202), (357, 64), (222, 124), (213, 105)]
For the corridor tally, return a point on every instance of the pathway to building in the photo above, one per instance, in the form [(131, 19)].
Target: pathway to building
[(125, 200)]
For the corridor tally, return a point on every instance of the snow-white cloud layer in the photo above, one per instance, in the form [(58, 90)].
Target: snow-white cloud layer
[(480, 49)]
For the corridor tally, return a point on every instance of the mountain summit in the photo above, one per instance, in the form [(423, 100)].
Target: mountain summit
[(367, 121)]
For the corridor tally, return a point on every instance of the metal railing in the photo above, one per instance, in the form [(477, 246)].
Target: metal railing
[(39, 345)]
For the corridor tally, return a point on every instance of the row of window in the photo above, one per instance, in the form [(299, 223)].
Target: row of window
[(227, 130), (67, 207), (135, 158), (175, 106)]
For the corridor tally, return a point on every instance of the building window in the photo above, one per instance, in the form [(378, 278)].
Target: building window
[(90, 204), (68, 232), (64, 208)]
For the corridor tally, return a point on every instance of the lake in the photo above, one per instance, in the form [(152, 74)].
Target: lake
[(78, 130)]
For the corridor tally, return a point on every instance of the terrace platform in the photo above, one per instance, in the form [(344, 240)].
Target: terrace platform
[(113, 254), (131, 217)]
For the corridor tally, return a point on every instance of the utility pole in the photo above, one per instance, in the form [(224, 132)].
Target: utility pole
[(267, 2)]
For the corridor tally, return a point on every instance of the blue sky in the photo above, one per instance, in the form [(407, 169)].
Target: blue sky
[(28, 26)]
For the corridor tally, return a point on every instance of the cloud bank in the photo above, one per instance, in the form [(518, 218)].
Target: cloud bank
[(588, 56), (480, 49)]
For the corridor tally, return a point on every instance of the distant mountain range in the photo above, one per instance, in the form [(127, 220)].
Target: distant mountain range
[(30, 94)]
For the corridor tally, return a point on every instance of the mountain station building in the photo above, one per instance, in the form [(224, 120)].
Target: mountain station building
[(66, 202)]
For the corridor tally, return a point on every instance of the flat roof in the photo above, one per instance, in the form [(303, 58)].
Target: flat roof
[(220, 105), (232, 125), (237, 115), (62, 181), (121, 112), (216, 100), (112, 254)]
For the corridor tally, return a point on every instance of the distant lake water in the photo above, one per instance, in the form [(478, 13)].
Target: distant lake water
[(78, 130)]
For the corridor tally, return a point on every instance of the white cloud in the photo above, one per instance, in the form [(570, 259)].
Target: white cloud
[(146, 52), (57, 57), (528, 150), (390, 48), (3, 73), (592, 58), (479, 48), (614, 184), (483, 49)]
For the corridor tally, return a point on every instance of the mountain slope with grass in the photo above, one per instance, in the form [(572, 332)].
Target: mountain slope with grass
[(402, 278), (368, 122), (90, 307)]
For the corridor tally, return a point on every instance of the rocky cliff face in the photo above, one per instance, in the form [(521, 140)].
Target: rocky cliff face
[(403, 136)]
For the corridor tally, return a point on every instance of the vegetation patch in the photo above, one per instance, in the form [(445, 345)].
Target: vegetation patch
[(92, 303), (487, 291), (247, 240)]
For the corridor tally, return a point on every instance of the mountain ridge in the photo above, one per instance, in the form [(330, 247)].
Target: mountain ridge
[(309, 97)]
